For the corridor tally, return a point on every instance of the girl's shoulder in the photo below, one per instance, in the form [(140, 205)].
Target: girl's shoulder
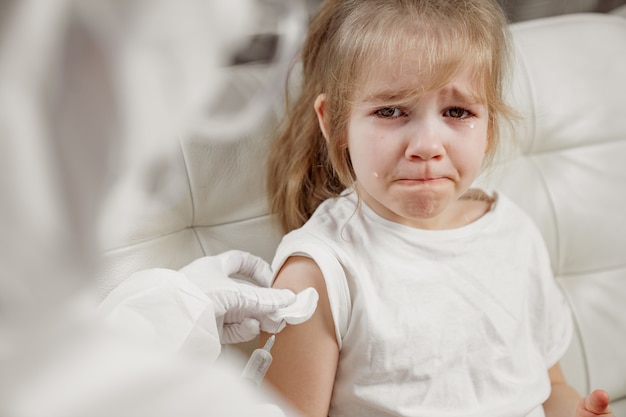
[(333, 212), (508, 214), (478, 203)]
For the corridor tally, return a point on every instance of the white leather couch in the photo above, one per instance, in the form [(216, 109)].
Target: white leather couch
[(568, 171)]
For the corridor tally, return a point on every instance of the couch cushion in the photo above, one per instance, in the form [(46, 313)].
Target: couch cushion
[(568, 173)]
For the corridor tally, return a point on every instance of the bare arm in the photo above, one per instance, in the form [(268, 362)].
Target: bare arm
[(306, 355), (563, 398), (564, 401)]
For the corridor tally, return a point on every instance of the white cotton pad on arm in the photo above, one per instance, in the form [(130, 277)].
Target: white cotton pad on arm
[(300, 311)]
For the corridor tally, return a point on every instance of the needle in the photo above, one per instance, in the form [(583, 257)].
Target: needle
[(261, 359)]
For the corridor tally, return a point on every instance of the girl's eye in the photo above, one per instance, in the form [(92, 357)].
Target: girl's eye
[(457, 113), (389, 112)]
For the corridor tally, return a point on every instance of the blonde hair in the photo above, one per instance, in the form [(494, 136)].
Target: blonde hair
[(345, 39)]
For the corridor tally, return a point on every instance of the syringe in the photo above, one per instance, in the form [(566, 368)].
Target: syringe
[(260, 361)]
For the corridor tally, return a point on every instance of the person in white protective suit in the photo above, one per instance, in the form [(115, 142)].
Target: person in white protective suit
[(82, 83)]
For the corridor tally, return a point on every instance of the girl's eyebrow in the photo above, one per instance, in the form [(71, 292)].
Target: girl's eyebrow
[(403, 95), (464, 96), (390, 95)]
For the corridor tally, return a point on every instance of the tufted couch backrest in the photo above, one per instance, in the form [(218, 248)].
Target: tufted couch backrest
[(566, 170), (568, 173)]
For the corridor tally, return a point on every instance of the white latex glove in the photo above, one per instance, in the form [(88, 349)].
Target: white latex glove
[(241, 307), (200, 307)]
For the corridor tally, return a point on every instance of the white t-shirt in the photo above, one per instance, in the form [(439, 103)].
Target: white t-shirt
[(459, 322)]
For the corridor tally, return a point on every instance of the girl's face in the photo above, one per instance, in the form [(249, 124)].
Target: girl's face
[(414, 156)]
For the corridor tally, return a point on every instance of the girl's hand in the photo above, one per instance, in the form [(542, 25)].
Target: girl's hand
[(594, 404)]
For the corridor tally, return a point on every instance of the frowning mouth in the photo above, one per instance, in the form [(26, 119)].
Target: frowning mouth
[(421, 180)]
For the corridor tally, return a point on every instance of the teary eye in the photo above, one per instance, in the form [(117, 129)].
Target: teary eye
[(389, 112), (457, 113)]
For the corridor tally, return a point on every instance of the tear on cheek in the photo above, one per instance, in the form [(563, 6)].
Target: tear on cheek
[(375, 174)]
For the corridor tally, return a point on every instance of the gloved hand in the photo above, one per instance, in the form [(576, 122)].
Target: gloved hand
[(242, 308), (200, 307)]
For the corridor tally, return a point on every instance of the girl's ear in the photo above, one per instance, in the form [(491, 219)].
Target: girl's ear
[(319, 104)]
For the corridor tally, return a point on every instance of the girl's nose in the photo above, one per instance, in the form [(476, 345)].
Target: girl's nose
[(424, 143)]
